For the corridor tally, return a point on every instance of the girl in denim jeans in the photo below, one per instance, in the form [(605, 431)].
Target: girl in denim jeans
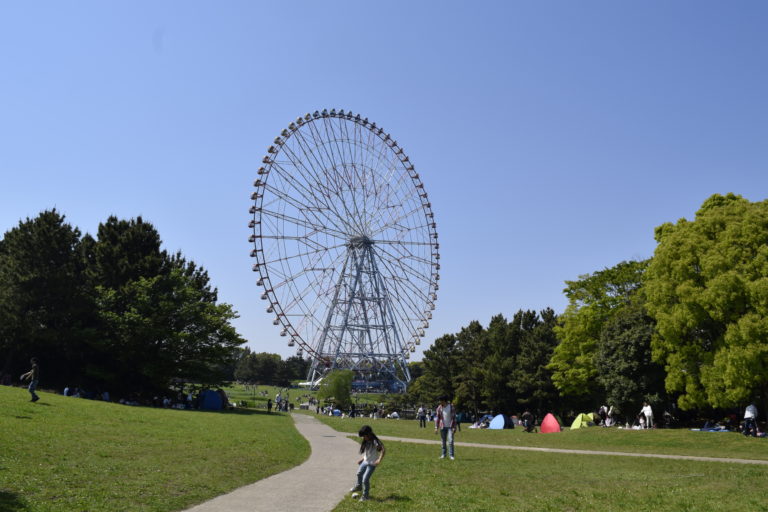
[(372, 451)]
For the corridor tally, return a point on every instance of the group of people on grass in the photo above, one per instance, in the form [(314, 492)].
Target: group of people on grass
[(372, 449), (282, 403)]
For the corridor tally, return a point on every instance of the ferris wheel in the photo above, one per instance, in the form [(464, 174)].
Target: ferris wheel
[(345, 246)]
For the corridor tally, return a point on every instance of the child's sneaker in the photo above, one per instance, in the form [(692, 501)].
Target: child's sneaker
[(363, 498), (358, 487)]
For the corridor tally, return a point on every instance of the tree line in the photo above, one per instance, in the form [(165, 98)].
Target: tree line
[(113, 311), (686, 330), (271, 369)]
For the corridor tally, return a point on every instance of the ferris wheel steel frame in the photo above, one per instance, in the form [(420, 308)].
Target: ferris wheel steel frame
[(346, 246)]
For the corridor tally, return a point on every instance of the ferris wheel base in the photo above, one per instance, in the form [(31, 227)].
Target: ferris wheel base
[(391, 385)]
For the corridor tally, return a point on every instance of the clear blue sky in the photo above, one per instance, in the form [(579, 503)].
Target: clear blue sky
[(552, 137)]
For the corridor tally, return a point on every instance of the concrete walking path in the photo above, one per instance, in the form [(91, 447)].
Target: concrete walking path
[(317, 485)]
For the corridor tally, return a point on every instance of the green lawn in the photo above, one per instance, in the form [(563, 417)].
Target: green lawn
[(73, 455), (412, 478), (664, 441), (256, 398)]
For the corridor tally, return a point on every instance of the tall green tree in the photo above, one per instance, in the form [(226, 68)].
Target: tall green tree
[(159, 316), (592, 300), (530, 381), (124, 251), (707, 288), (44, 304), (495, 353), (295, 368), (114, 312), (337, 385), (625, 368), (416, 369), (469, 373), (163, 329), (261, 368), (441, 362)]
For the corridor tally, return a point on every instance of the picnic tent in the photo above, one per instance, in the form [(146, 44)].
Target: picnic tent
[(550, 424), (583, 420), (210, 400), (499, 422)]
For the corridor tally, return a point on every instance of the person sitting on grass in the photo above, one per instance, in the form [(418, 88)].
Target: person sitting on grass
[(750, 420), (527, 422)]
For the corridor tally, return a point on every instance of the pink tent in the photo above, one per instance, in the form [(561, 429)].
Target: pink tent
[(549, 424)]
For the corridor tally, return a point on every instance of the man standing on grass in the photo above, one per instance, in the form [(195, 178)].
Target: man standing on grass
[(648, 412), (33, 376), (422, 415), (445, 423)]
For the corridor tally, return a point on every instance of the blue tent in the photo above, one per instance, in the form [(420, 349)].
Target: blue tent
[(210, 400), (498, 422)]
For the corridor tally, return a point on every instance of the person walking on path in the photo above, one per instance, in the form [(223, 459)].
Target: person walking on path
[(648, 412), (372, 451), (33, 376), (750, 420), (445, 423)]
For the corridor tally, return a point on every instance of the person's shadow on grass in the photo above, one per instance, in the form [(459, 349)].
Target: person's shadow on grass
[(10, 502), (396, 498)]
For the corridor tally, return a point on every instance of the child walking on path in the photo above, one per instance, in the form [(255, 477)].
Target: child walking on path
[(372, 451)]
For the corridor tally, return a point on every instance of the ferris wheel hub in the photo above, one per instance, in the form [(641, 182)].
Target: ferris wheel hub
[(359, 242)]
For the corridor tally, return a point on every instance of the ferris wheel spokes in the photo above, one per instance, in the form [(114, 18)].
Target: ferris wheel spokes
[(345, 245)]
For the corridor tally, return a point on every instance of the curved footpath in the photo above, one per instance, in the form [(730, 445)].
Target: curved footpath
[(321, 482), (318, 484), (583, 452)]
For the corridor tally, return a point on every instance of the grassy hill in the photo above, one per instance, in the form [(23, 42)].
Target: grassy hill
[(65, 454)]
